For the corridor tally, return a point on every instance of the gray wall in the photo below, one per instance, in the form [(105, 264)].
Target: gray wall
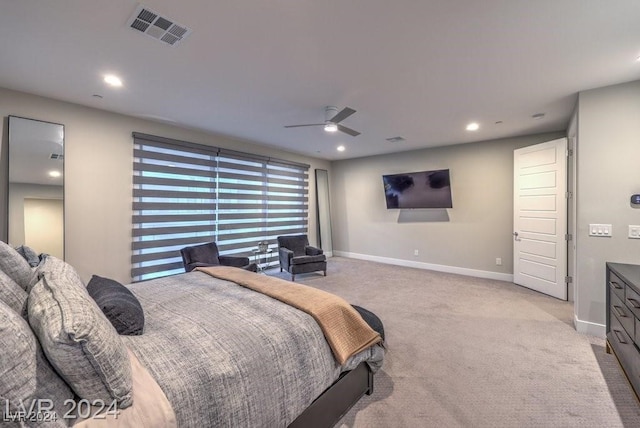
[(608, 174), (98, 177), (480, 223)]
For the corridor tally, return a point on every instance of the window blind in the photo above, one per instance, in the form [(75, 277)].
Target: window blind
[(185, 194)]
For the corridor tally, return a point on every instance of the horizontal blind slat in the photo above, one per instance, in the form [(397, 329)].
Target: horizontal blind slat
[(176, 194), (167, 206), (173, 218), (171, 170), (159, 243), (149, 231), (171, 182)]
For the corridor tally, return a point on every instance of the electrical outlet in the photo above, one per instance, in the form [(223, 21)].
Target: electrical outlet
[(416, 252), (498, 261), (634, 232)]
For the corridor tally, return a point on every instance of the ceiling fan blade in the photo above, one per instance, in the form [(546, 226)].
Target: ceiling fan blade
[(308, 124), (348, 130), (342, 115)]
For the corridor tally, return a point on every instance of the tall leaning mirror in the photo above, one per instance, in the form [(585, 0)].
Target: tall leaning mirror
[(324, 211), (36, 185)]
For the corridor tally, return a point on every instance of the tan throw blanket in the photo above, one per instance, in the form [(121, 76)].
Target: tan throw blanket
[(345, 330)]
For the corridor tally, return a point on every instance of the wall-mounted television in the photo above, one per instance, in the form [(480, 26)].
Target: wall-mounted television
[(425, 189)]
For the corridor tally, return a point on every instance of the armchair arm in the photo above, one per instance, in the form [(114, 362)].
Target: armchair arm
[(235, 261), (191, 266), (312, 251), (285, 255)]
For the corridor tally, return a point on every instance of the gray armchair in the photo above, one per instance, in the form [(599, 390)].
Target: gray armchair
[(207, 255), (297, 256)]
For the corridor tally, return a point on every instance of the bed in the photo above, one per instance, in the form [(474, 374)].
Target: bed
[(212, 353)]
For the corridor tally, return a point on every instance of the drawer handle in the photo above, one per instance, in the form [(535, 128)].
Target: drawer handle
[(620, 336), (620, 311), (634, 302), (615, 285)]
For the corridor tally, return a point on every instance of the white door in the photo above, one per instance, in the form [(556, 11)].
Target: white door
[(44, 226), (540, 217)]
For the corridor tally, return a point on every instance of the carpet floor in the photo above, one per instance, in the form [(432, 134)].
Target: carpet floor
[(473, 352)]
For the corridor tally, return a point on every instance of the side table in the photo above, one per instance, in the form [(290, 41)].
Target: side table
[(259, 257)]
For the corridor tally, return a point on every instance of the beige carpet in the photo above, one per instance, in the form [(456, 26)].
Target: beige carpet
[(471, 352)]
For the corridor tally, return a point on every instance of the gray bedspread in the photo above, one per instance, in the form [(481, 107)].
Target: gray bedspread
[(227, 356)]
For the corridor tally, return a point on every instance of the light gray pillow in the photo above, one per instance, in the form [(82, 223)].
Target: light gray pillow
[(77, 338), (14, 265), (26, 375), (29, 255), (13, 295)]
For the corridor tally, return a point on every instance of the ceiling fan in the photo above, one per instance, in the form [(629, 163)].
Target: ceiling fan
[(332, 119)]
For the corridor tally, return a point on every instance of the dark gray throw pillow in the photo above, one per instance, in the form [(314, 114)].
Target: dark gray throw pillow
[(119, 305)]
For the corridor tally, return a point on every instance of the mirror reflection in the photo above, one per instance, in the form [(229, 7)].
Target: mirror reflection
[(36, 185), (324, 211)]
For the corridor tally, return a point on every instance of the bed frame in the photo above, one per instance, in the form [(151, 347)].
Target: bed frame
[(335, 401)]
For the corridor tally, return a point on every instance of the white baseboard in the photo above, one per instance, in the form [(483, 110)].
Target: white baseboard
[(590, 328), (583, 327), (428, 266)]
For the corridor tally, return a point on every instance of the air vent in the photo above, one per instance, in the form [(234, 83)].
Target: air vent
[(395, 139), (56, 156), (160, 28)]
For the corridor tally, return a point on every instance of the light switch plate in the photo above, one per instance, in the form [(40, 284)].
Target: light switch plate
[(600, 230), (634, 231)]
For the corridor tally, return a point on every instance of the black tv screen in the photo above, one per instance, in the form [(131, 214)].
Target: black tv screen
[(425, 189)]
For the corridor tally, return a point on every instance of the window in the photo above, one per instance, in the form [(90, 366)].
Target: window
[(185, 194)]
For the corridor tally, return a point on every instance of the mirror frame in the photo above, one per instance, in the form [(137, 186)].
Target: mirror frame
[(53, 140)]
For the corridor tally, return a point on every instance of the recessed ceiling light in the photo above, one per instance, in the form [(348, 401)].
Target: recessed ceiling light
[(341, 148), (473, 126), (54, 174), (113, 80)]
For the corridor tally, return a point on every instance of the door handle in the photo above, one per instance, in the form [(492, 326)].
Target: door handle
[(620, 311), (619, 336), (515, 236), (615, 285)]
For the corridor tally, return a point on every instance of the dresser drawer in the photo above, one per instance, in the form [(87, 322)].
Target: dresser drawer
[(626, 352), (623, 314), (616, 285), (632, 299)]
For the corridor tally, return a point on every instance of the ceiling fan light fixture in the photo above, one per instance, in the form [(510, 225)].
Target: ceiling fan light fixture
[(330, 127)]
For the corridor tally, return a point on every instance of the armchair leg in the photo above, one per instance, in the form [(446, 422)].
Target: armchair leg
[(293, 277), (325, 273)]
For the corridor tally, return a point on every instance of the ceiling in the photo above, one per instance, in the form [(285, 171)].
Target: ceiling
[(420, 70)]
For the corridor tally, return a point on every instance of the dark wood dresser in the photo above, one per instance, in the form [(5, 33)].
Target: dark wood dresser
[(623, 318)]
